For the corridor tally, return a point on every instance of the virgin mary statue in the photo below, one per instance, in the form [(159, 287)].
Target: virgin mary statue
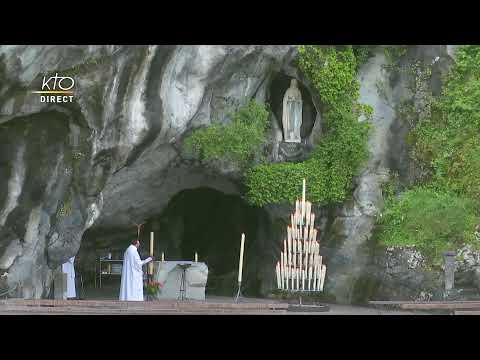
[(292, 113)]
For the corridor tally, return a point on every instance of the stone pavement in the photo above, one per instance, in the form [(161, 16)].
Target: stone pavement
[(213, 306)]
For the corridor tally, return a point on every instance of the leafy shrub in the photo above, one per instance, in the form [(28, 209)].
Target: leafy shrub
[(447, 141), (431, 220), (236, 141)]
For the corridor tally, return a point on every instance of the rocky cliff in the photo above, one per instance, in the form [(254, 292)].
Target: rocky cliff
[(113, 156)]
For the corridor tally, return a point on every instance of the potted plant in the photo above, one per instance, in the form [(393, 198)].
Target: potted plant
[(151, 288)]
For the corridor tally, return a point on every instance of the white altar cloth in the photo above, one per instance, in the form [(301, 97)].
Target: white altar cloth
[(169, 274)]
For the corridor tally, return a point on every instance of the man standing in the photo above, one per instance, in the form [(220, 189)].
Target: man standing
[(131, 285), (69, 269)]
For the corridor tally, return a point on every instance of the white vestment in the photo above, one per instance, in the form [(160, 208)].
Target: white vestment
[(69, 269), (131, 285)]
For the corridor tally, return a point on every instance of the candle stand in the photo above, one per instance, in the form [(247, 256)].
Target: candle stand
[(239, 292), (300, 269), (183, 281)]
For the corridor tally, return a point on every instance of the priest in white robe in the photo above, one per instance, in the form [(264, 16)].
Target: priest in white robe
[(131, 285), (69, 269)]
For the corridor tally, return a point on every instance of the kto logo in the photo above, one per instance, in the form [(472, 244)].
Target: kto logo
[(60, 85)]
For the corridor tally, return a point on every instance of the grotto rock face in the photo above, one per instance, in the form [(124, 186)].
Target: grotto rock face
[(112, 156), (350, 253), (405, 277)]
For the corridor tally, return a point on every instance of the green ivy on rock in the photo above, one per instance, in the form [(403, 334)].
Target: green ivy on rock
[(237, 141), (363, 53), (448, 140), (441, 214), (432, 220), (337, 158)]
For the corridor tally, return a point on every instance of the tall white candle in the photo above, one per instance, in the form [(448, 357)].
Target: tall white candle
[(303, 191), (150, 265), (292, 275), (196, 257), (286, 276), (240, 265), (309, 277), (299, 248), (278, 274), (151, 243), (308, 210), (282, 276), (303, 201), (315, 276), (163, 257), (298, 278), (319, 275), (322, 281), (306, 256)]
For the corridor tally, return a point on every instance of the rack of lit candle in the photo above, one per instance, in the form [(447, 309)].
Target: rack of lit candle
[(301, 268)]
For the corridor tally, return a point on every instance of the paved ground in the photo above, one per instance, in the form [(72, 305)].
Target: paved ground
[(212, 306), (109, 292)]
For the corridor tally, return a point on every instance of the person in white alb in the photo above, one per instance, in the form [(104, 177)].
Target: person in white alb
[(69, 269), (131, 285)]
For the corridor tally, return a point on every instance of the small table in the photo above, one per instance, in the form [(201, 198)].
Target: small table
[(108, 261), (183, 281)]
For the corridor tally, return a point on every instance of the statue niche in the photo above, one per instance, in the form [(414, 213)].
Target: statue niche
[(292, 113)]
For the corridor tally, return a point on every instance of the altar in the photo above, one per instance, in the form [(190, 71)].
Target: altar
[(181, 278)]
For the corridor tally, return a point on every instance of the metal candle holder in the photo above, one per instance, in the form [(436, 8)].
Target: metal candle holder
[(300, 268)]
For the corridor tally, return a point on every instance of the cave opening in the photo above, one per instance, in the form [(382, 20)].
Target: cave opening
[(210, 223), (279, 85), (203, 221)]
